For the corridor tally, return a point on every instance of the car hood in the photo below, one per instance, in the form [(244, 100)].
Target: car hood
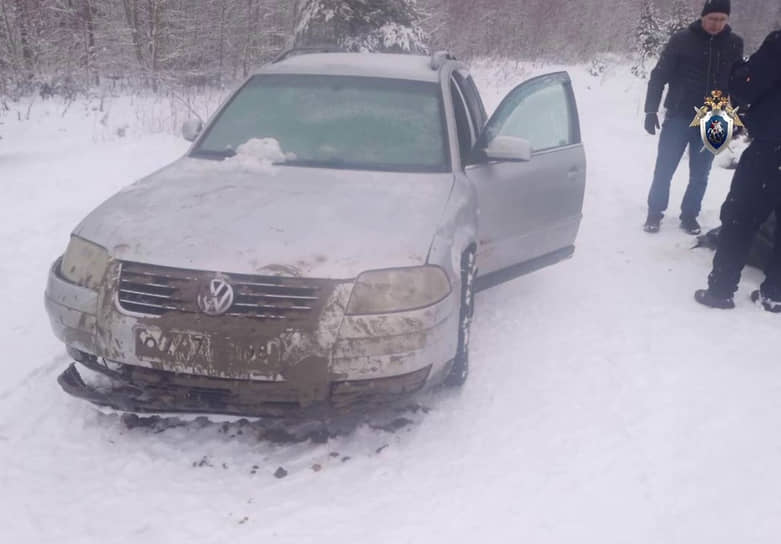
[(282, 220)]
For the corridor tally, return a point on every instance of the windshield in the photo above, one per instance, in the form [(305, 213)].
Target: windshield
[(336, 121)]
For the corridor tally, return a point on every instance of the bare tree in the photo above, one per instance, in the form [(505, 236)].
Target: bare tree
[(131, 16), (88, 11), (23, 22)]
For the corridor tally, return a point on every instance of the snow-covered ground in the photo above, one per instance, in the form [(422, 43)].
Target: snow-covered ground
[(604, 405)]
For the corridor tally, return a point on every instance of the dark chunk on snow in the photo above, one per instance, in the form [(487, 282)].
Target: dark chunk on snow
[(761, 248)]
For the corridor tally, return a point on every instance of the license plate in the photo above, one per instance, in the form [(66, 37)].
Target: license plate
[(178, 346), (202, 349)]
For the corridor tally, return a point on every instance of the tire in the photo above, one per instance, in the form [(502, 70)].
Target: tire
[(459, 372)]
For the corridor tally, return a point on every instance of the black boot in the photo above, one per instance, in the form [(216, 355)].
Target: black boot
[(706, 298), (768, 304), (653, 221), (690, 225)]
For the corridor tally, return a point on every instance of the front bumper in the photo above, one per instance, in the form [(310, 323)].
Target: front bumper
[(136, 389), (344, 361)]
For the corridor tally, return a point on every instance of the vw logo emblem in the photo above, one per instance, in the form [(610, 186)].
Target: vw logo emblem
[(216, 297)]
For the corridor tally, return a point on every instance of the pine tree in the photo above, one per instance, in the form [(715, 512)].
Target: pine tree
[(649, 37), (362, 25), (681, 18)]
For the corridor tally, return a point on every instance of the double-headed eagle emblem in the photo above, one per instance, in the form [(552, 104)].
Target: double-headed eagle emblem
[(716, 119)]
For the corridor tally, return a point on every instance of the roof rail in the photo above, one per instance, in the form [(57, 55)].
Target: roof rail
[(438, 58), (308, 50)]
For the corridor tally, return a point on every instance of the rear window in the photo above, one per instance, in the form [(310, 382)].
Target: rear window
[(337, 122)]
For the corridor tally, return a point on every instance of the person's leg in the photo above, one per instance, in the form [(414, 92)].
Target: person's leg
[(672, 142), (771, 287), (770, 290), (700, 161), (748, 205)]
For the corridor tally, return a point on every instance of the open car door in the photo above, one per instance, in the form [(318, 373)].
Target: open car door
[(529, 168)]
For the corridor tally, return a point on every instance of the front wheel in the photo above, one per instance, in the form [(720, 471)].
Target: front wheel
[(460, 369)]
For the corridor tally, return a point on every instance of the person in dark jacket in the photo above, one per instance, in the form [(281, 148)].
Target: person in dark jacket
[(756, 186), (696, 61)]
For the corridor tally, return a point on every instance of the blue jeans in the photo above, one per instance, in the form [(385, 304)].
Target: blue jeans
[(676, 134)]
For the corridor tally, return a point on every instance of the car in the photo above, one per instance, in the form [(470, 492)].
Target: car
[(339, 276)]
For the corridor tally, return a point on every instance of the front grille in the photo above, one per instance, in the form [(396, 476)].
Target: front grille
[(265, 299), (157, 290)]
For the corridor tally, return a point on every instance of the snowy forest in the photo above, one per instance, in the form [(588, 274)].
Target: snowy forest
[(68, 46)]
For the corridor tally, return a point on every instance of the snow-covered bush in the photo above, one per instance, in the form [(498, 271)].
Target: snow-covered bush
[(597, 67), (681, 17), (649, 38), (362, 25)]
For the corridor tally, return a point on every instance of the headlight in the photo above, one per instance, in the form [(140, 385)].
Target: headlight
[(382, 291), (84, 263)]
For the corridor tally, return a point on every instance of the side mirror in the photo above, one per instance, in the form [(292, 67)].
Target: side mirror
[(191, 129), (508, 148)]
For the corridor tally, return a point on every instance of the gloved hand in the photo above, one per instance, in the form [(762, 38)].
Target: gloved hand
[(740, 131), (651, 123)]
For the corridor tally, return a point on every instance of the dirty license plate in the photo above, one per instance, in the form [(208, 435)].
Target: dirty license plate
[(179, 346), (198, 348)]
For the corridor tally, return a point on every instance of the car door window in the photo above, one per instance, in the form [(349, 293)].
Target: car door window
[(473, 100), (539, 111), (464, 126), (472, 97)]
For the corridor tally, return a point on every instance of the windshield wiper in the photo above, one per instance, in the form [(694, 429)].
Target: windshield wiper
[(212, 154), (330, 163)]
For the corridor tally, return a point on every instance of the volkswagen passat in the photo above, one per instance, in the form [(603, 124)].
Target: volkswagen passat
[(336, 270)]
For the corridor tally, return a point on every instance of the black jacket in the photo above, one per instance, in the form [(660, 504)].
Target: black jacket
[(757, 84), (693, 64)]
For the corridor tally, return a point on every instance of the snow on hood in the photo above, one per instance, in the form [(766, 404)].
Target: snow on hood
[(258, 155), (247, 216)]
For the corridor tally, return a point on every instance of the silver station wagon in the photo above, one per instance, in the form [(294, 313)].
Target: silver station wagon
[(336, 270)]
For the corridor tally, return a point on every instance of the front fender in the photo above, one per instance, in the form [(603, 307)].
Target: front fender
[(457, 229)]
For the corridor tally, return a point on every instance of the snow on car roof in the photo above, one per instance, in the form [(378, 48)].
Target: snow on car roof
[(389, 65)]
